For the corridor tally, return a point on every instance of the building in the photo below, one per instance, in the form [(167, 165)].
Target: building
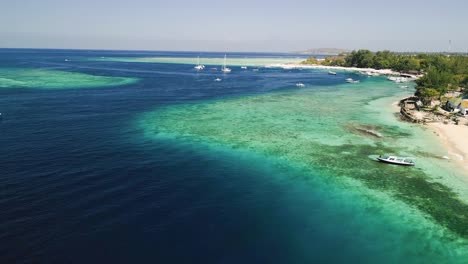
[(463, 107), (452, 104)]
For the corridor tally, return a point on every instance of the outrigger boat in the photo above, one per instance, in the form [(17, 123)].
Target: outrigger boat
[(396, 160)]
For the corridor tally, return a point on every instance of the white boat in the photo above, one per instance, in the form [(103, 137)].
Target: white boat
[(350, 80), (332, 73), (370, 73), (396, 160), (224, 68), (217, 79), (398, 79), (300, 85), (199, 66), (244, 67)]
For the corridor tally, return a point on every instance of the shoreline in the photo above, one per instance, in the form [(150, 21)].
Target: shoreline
[(341, 68), (453, 138)]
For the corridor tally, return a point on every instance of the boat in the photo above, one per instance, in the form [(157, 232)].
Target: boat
[(398, 79), (217, 79), (396, 160), (224, 68), (199, 66), (350, 80), (244, 67), (369, 74), (300, 85), (332, 73)]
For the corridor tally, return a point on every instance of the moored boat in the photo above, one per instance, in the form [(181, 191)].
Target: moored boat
[(396, 160), (224, 68), (350, 80), (199, 66)]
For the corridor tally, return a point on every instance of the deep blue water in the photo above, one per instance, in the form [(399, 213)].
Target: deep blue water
[(79, 183)]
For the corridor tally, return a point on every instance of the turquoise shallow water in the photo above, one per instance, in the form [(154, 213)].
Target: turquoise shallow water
[(237, 60), (55, 79), (159, 163), (321, 130)]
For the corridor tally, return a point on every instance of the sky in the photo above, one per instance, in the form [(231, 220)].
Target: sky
[(240, 25)]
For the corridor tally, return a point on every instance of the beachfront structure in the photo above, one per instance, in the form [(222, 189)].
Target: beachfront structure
[(452, 104), (457, 105), (463, 106)]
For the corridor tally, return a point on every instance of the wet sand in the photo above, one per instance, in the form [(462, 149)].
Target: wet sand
[(454, 137)]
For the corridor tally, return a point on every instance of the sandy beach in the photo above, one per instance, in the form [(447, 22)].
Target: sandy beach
[(339, 68), (454, 137)]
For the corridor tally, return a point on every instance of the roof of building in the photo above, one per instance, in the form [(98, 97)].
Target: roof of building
[(454, 101), (464, 103)]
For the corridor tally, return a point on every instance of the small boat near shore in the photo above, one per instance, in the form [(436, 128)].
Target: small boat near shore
[(300, 85), (350, 80), (396, 160), (398, 79), (332, 73)]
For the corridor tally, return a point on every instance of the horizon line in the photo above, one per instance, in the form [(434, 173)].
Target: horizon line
[(194, 51)]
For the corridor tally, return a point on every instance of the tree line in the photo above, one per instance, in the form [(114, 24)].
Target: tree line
[(442, 73)]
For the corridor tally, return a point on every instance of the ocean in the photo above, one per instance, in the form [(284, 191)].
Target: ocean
[(136, 157)]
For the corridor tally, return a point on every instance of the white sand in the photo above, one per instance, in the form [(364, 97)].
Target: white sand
[(305, 66), (455, 138)]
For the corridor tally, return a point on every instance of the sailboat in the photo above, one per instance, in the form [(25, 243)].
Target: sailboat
[(224, 68), (199, 66)]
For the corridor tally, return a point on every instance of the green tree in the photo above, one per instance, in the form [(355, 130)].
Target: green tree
[(311, 60), (334, 61), (436, 79), (384, 60), (427, 95), (464, 84), (360, 58)]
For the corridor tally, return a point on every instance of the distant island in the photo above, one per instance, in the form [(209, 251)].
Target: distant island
[(323, 51)]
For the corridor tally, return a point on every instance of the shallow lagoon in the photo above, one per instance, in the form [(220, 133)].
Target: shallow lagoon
[(55, 79), (322, 131)]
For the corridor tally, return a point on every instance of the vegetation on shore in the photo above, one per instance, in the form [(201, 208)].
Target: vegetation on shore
[(442, 73)]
